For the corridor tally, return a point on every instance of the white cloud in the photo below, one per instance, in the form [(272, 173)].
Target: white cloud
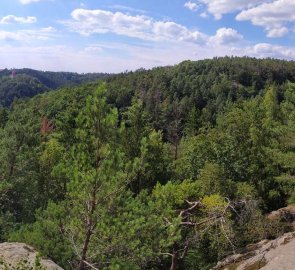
[(204, 15), (172, 30), (65, 58), (277, 32), (9, 36), (174, 43), (48, 29), (191, 5), (27, 36), (94, 49), (221, 7), (14, 19), (127, 8), (226, 36), (114, 57), (89, 22), (273, 16), (25, 2), (274, 51)]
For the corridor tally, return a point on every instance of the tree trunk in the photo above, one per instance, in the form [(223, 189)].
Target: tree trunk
[(85, 248), (174, 261), (89, 231)]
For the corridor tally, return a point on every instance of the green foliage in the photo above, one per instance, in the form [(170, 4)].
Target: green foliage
[(212, 180), (53, 184), (20, 86), (3, 117), (24, 83), (171, 167), (48, 234)]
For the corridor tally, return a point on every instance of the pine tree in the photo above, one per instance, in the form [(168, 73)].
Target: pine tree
[(98, 173)]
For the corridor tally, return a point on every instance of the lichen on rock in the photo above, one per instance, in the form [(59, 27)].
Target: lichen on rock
[(19, 256)]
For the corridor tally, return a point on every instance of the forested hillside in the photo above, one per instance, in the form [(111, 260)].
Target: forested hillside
[(22, 83), (169, 168)]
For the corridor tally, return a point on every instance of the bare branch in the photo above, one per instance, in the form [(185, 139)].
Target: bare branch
[(167, 254), (194, 205), (228, 239), (90, 265), (185, 250), (201, 222)]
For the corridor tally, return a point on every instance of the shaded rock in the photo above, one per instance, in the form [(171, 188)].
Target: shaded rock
[(278, 254), (12, 254), (286, 214)]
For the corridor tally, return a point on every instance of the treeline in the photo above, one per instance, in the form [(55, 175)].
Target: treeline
[(171, 168), (26, 83)]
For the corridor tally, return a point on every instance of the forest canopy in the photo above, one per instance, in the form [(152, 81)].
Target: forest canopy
[(22, 83), (169, 168)]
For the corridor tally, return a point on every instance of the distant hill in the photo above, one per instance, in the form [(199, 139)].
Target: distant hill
[(22, 83)]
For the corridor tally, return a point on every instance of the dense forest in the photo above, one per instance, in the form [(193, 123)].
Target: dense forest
[(169, 168), (21, 83)]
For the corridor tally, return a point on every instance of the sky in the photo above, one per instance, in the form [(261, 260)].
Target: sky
[(115, 36)]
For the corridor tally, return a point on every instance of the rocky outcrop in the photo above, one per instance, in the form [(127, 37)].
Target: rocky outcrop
[(278, 254), (12, 254), (286, 214)]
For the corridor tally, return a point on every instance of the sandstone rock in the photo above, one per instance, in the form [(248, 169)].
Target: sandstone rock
[(286, 214), (14, 253), (278, 254)]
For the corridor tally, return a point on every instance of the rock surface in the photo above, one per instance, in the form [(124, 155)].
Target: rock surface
[(286, 214), (13, 253), (278, 254)]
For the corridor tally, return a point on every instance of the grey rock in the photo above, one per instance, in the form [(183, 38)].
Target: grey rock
[(13, 253), (278, 254), (286, 214)]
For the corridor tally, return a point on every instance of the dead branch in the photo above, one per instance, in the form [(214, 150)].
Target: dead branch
[(194, 205), (90, 265)]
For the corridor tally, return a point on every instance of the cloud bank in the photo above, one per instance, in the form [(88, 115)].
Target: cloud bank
[(14, 19)]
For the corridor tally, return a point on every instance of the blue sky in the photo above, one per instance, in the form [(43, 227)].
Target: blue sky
[(114, 36)]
